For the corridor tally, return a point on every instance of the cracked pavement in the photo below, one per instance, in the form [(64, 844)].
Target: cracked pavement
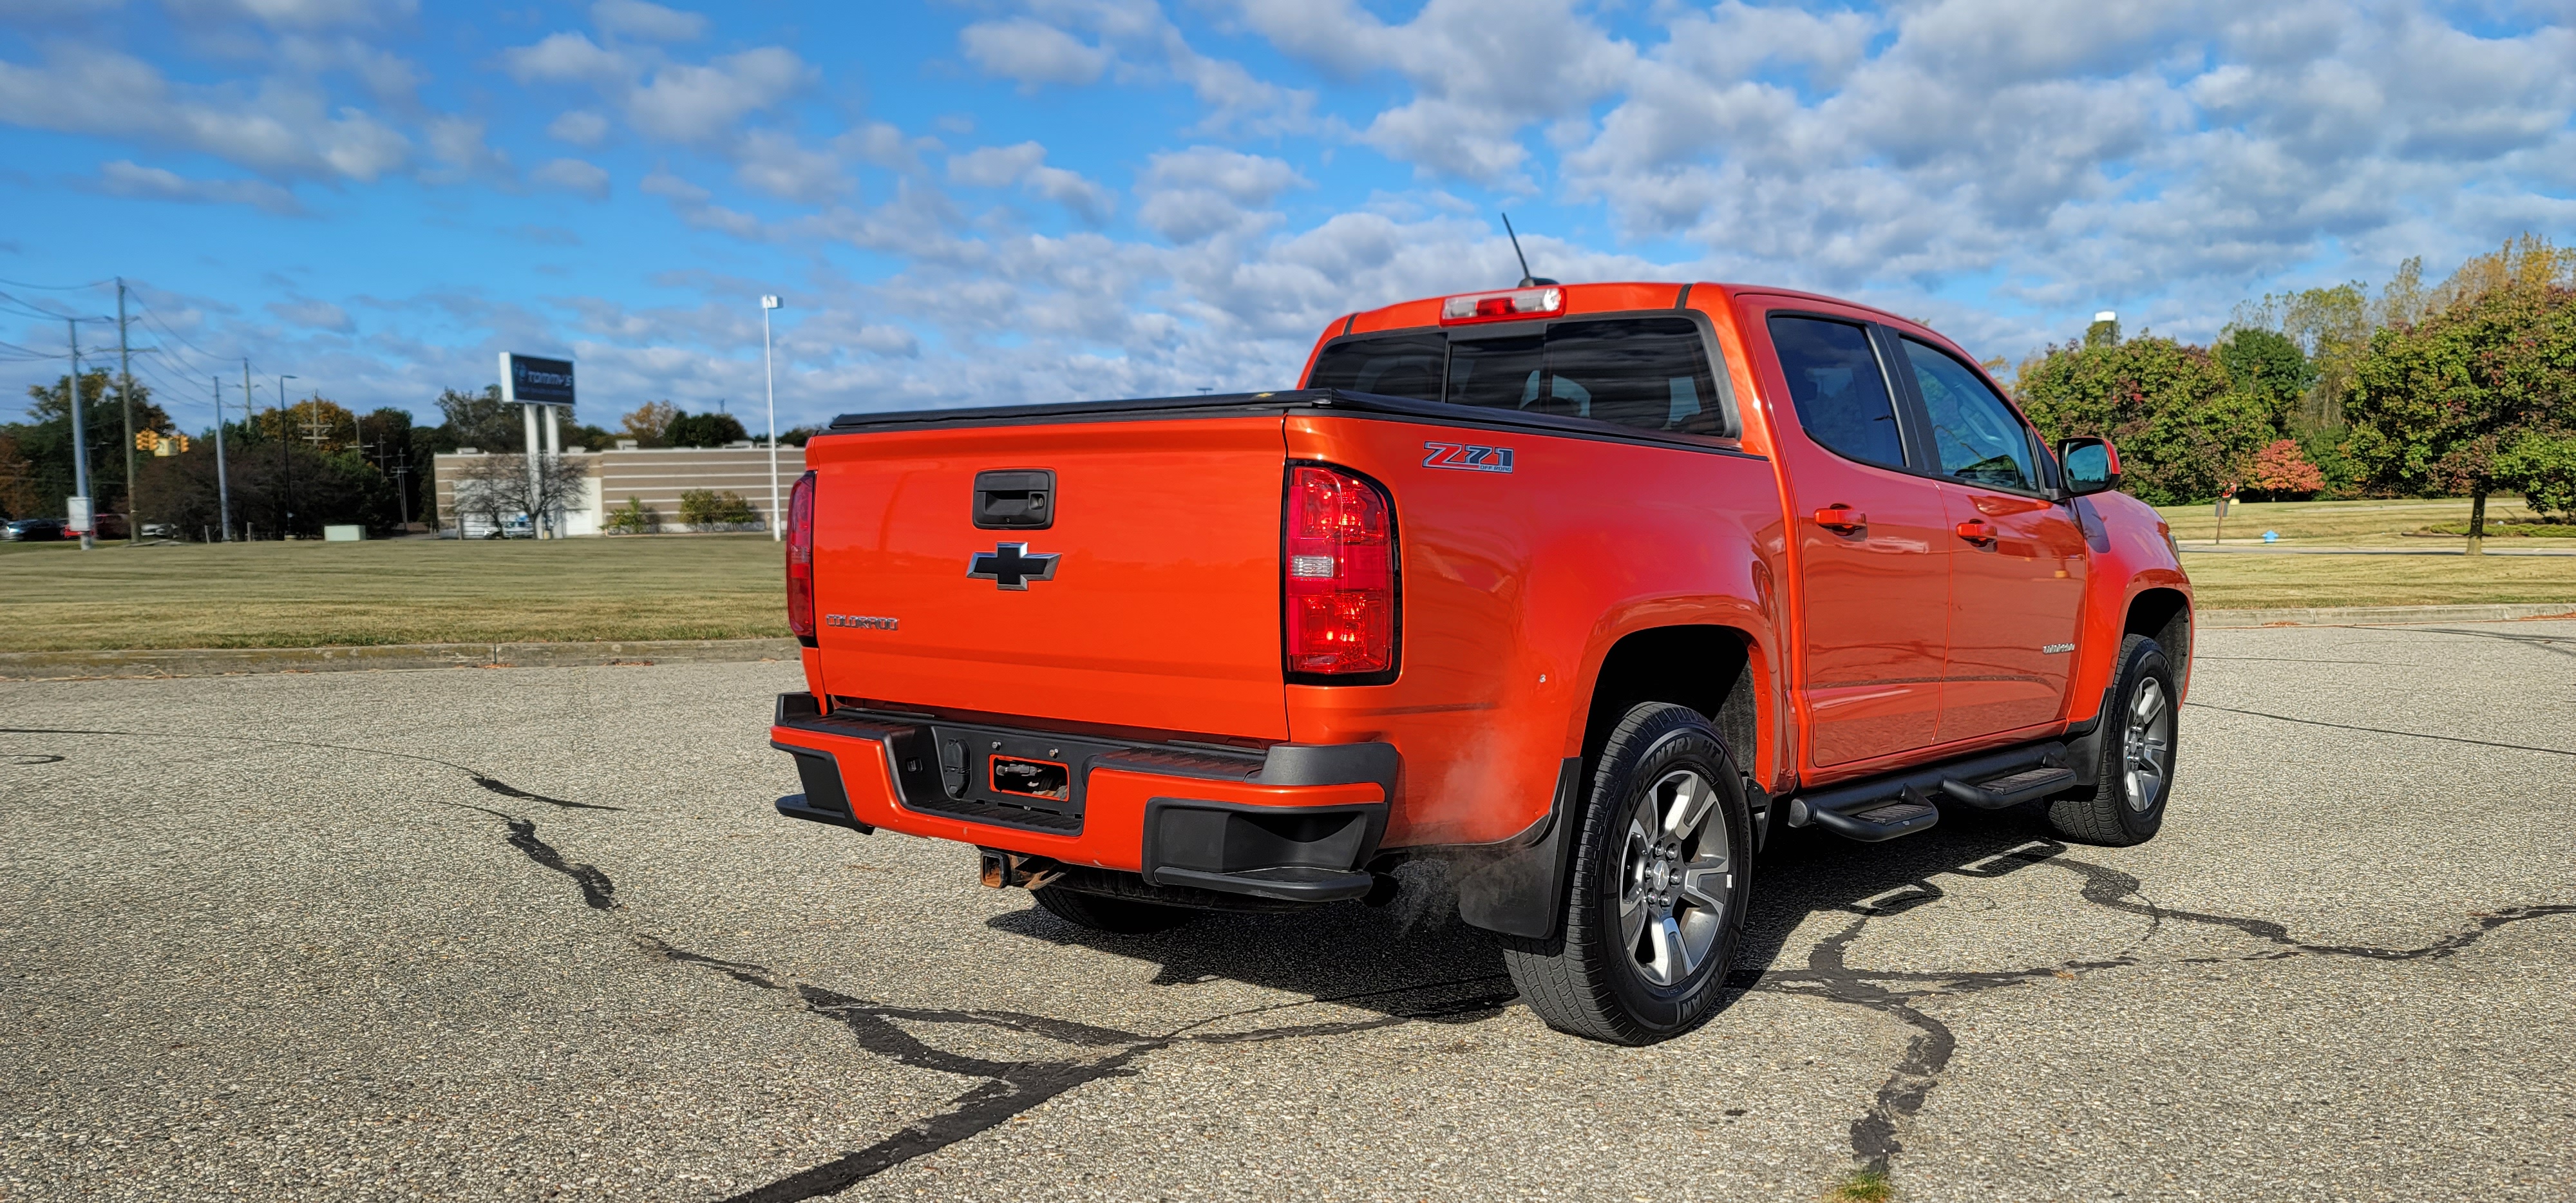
[(535, 933)]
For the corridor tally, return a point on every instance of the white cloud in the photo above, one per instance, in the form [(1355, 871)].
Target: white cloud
[(1032, 52), (573, 175), (1025, 165), (581, 127), (773, 162), (651, 22), (279, 129), (1204, 191), (318, 315), (124, 178)]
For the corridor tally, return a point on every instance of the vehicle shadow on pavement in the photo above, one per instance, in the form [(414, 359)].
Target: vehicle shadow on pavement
[(1802, 873), (1411, 958), (1387, 958)]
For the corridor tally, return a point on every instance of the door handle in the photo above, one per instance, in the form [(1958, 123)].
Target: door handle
[(1975, 532), (1841, 518)]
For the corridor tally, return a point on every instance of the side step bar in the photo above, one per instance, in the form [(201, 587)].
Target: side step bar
[(1902, 803)]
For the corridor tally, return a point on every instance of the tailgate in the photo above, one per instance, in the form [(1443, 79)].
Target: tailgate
[(1161, 609)]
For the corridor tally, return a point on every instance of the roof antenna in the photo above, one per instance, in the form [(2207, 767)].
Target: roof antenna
[(1527, 280)]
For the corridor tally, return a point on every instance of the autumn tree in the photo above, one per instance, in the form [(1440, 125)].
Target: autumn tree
[(2437, 406), (649, 423), (2282, 470), (2182, 432)]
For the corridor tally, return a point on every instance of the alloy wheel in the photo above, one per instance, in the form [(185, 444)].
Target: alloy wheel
[(2146, 746), (1676, 873)]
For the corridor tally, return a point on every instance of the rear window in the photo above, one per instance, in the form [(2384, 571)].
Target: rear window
[(1648, 373)]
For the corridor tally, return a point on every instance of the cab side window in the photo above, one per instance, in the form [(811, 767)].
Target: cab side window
[(1974, 434), (1835, 384)]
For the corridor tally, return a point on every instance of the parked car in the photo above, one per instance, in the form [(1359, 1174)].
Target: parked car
[(108, 525), (1585, 590), (33, 530)]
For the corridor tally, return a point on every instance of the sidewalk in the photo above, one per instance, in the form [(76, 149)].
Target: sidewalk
[(208, 662)]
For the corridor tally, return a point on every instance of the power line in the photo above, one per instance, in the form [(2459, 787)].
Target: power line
[(58, 287)]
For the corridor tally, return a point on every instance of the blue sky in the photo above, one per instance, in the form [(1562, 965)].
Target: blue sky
[(1001, 201)]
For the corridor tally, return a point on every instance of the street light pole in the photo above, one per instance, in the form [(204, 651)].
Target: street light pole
[(80, 442), (285, 467), (769, 373)]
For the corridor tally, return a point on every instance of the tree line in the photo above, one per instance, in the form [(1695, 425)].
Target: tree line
[(2466, 387), (291, 472)]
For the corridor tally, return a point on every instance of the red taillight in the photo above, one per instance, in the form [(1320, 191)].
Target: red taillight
[(800, 559), (1338, 560)]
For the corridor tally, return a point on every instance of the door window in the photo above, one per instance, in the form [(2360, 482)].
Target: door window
[(1835, 384), (1974, 434)]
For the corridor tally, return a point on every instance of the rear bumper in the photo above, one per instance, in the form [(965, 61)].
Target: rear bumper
[(1297, 822)]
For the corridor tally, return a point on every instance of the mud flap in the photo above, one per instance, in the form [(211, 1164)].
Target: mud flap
[(1517, 886)]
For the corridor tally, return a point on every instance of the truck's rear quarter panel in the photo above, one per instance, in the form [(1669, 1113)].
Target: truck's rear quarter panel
[(1163, 612), (1515, 586)]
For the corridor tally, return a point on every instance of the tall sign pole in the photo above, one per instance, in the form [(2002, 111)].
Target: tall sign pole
[(223, 482), (769, 373), (80, 507), (533, 383)]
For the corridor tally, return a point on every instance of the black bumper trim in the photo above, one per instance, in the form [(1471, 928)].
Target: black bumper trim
[(1292, 853)]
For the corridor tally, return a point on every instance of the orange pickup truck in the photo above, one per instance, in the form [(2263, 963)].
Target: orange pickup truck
[(1582, 589)]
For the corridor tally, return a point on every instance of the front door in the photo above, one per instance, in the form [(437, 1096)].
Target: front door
[(1873, 548), (2017, 559)]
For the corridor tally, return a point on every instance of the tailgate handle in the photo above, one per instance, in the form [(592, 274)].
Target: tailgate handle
[(1015, 499)]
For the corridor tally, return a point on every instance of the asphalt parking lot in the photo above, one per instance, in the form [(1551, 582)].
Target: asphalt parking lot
[(535, 933)]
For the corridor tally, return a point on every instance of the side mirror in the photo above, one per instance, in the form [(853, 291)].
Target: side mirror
[(2090, 465)]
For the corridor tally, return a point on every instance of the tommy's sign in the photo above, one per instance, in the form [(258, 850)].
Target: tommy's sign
[(528, 380)]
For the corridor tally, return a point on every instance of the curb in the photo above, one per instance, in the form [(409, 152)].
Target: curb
[(218, 661), (2354, 616)]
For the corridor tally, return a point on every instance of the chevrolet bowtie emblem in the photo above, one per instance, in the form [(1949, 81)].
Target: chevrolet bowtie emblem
[(1010, 566)]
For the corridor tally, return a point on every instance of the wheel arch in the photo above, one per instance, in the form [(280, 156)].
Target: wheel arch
[(2164, 615), (1712, 668)]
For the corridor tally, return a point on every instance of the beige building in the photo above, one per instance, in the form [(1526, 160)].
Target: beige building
[(655, 477)]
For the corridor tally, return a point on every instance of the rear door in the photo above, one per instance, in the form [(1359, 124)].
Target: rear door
[(1873, 545), (2017, 562), (1143, 592)]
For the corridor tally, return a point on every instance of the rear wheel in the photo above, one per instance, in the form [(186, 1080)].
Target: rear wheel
[(1657, 897), (2135, 773), (1100, 912)]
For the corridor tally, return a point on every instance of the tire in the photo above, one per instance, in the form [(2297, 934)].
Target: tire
[(1100, 912), (1652, 917), (2134, 776)]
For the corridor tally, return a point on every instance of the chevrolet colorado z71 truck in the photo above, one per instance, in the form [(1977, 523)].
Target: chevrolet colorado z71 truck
[(1583, 589)]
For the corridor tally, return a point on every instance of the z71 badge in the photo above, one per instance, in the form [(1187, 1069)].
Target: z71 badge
[(1467, 458)]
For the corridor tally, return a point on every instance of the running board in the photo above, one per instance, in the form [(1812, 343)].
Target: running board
[(1902, 803), (1871, 820), (2028, 785)]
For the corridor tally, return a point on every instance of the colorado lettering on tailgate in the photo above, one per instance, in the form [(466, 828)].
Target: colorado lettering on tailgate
[(1467, 457)]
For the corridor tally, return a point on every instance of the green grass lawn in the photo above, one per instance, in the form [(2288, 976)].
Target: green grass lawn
[(2382, 523), (53, 596)]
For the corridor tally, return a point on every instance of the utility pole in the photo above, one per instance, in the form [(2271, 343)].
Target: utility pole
[(777, 514), (285, 466), (223, 483), (80, 441), (125, 394)]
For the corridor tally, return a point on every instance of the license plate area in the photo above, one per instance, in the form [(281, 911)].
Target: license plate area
[(1022, 777)]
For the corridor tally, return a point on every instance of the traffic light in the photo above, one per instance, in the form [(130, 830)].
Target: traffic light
[(183, 443), (145, 440)]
